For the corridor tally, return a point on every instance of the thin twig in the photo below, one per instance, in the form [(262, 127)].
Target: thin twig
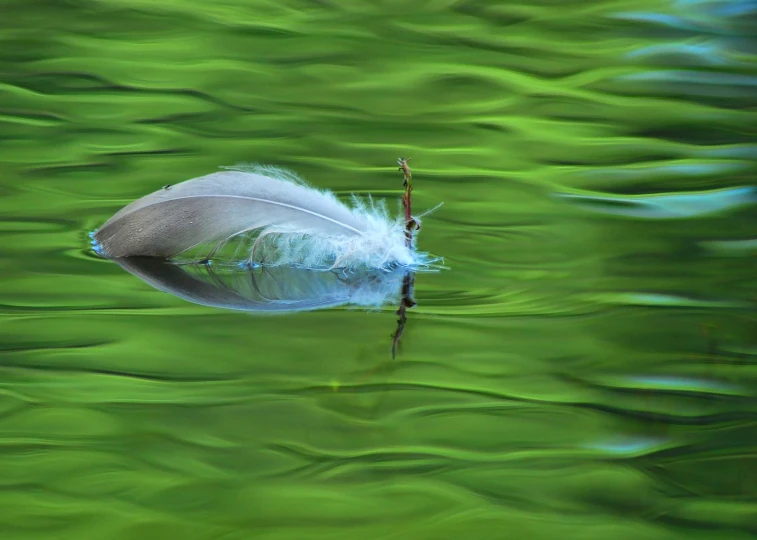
[(408, 280)]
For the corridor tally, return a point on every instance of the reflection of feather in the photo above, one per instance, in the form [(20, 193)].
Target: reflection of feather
[(295, 223), (269, 290)]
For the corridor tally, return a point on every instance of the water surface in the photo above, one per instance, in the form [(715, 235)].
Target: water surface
[(586, 367)]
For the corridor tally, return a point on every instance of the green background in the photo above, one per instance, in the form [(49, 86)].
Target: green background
[(585, 369)]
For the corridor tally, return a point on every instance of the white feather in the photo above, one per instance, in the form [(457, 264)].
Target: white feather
[(292, 223)]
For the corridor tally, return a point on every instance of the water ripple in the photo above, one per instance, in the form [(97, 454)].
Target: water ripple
[(668, 206)]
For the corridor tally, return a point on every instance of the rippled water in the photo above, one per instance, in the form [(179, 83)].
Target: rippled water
[(586, 367)]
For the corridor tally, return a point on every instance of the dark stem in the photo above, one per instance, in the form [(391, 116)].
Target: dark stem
[(408, 283), (408, 280)]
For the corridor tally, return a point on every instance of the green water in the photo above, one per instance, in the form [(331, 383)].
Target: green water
[(585, 369)]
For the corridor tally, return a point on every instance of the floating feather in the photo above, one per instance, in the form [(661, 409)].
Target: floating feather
[(292, 223)]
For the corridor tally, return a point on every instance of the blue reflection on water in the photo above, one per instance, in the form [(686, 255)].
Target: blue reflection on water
[(673, 206), (702, 53), (721, 8), (629, 446)]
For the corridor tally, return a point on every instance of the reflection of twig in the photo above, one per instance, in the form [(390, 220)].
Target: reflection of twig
[(408, 281)]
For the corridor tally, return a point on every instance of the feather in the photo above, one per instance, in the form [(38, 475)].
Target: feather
[(270, 290), (293, 223)]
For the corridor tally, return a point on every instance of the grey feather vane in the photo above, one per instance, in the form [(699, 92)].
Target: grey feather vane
[(297, 224)]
